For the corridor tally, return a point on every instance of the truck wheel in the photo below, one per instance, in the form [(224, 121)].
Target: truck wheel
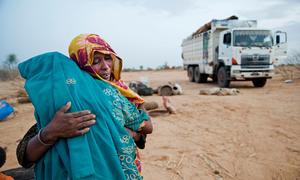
[(199, 77), (197, 74), (203, 78), (191, 74), (214, 77), (259, 82), (223, 80)]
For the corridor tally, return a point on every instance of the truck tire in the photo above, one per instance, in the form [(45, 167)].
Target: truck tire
[(197, 74), (191, 74), (203, 78), (214, 77), (199, 77), (259, 82), (223, 80)]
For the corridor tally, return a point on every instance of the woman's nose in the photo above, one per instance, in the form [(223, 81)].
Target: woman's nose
[(104, 64)]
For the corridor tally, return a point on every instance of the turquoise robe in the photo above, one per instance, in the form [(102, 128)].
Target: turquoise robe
[(107, 151)]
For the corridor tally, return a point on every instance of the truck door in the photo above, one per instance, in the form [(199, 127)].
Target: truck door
[(280, 47), (225, 50)]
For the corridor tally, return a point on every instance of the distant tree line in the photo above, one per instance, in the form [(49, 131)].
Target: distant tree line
[(8, 68), (165, 66)]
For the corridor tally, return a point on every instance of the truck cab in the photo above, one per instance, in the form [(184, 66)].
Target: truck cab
[(249, 54)]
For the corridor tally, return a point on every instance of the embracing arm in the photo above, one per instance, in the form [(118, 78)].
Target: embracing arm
[(64, 125), (22, 146), (146, 126)]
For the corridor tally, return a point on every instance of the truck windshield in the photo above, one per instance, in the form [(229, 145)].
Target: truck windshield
[(252, 38)]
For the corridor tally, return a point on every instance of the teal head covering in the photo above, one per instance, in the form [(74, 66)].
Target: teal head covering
[(107, 151)]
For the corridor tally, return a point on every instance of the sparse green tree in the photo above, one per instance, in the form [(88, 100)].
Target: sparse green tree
[(165, 66), (8, 69), (141, 67), (11, 62)]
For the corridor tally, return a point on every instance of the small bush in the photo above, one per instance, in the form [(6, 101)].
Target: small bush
[(288, 71), (6, 75)]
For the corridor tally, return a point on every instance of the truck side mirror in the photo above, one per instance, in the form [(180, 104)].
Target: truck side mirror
[(277, 39), (227, 39), (280, 37)]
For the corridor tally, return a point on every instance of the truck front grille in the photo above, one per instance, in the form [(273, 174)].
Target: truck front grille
[(255, 61)]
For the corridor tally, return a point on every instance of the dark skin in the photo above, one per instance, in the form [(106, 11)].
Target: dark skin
[(67, 125), (63, 125)]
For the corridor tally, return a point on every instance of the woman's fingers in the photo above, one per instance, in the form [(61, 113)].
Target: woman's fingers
[(82, 131), (65, 108), (85, 124), (84, 118), (77, 114), (72, 124)]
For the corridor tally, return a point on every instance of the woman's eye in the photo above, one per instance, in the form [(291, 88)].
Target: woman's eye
[(96, 61), (107, 58)]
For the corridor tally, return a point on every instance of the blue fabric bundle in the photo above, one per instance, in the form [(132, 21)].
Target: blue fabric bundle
[(5, 109), (107, 151)]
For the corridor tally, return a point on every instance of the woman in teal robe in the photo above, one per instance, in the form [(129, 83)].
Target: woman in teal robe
[(107, 151)]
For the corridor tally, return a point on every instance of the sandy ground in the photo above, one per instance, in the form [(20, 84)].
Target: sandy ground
[(254, 135)]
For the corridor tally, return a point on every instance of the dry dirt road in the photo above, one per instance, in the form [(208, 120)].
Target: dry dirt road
[(254, 135)]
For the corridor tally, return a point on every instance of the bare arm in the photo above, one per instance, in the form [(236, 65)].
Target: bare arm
[(146, 127), (63, 125)]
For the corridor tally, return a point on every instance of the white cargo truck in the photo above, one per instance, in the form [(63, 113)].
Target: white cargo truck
[(232, 50)]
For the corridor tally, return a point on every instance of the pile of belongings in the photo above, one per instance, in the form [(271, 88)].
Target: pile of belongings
[(141, 88), (219, 91), (169, 89)]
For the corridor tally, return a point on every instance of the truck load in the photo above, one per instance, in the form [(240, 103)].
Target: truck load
[(232, 50)]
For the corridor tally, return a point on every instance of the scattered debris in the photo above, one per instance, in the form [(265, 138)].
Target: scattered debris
[(220, 91), (22, 97), (169, 89), (217, 169), (23, 100), (12, 101), (21, 173), (288, 81), (22, 93), (158, 112), (141, 88), (5, 110), (169, 108), (150, 105)]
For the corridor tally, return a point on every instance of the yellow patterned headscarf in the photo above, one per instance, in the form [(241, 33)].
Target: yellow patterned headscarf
[(82, 49)]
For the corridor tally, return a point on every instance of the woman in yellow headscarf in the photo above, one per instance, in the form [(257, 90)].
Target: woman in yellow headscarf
[(85, 49), (82, 50)]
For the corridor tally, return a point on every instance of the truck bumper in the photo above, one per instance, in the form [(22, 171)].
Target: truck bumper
[(238, 73)]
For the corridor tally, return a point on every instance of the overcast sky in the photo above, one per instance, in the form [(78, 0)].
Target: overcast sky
[(142, 32)]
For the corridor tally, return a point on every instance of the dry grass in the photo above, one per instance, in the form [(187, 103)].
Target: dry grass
[(288, 71), (6, 75)]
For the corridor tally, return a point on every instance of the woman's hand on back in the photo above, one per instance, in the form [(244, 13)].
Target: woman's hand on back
[(66, 125)]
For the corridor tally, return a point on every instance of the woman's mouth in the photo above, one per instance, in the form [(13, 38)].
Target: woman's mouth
[(105, 75)]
